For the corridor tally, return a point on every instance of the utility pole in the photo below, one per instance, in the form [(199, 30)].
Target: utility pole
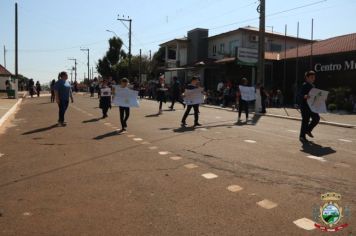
[(139, 67), (150, 55), (261, 43), (75, 68), (285, 60), (4, 56), (130, 33), (311, 45), (87, 50), (16, 50)]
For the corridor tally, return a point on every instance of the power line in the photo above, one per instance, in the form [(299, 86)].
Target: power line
[(244, 21)]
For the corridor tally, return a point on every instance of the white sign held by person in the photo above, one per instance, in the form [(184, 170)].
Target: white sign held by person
[(317, 100), (247, 93), (125, 97), (193, 96)]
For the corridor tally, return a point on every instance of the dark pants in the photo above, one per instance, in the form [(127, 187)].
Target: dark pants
[(52, 95), (124, 116), (196, 113), (308, 126), (263, 101), (243, 106), (160, 105), (63, 105), (176, 99)]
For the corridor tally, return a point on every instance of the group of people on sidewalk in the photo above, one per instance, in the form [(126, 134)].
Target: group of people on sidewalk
[(63, 92)]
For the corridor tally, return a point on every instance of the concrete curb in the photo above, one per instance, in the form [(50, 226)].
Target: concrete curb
[(288, 117), (11, 111)]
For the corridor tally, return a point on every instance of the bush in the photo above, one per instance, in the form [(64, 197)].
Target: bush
[(338, 98), (332, 107)]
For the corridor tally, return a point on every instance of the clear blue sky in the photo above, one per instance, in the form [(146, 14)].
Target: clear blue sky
[(50, 32)]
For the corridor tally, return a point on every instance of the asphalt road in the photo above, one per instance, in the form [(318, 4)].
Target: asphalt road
[(86, 179)]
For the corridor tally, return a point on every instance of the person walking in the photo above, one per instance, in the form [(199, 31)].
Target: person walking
[(105, 98), (307, 126), (52, 91), (38, 88), (31, 89), (176, 93), (124, 111), (63, 92), (191, 86), (161, 93), (243, 105)]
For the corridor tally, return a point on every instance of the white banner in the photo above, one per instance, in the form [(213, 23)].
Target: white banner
[(105, 92), (125, 97), (247, 55), (247, 93), (317, 100), (193, 96)]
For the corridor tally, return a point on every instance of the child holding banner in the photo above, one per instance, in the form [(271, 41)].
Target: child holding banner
[(245, 94), (307, 126), (125, 98), (105, 98), (193, 97)]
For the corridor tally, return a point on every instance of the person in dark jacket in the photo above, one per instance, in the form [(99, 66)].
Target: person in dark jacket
[(192, 85), (105, 98), (52, 91), (161, 93), (307, 114), (243, 105), (38, 88), (176, 93)]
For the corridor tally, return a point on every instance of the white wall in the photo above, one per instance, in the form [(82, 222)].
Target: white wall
[(2, 82), (183, 56)]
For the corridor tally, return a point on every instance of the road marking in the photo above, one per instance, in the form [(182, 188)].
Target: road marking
[(218, 132), (209, 176), (203, 129), (176, 158), (138, 139), (1, 154), (342, 165), (267, 204), (218, 117), (163, 153), (131, 135), (191, 166), (292, 131), (250, 141), (107, 124), (345, 140), (27, 214), (317, 158), (305, 223), (145, 143), (153, 147), (234, 188)]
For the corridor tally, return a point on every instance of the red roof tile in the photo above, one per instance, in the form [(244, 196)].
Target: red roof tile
[(344, 43), (3, 71)]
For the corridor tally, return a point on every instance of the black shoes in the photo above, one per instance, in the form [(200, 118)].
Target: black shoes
[(303, 140), (197, 124), (309, 134)]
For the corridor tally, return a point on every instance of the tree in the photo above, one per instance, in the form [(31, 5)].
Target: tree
[(107, 66)]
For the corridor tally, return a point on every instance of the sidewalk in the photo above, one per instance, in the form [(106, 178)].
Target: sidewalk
[(8, 106), (335, 119)]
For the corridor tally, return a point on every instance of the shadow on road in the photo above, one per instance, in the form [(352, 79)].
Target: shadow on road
[(91, 120), (108, 135), (153, 115), (316, 149), (40, 130), (184, 129), (254, 121)]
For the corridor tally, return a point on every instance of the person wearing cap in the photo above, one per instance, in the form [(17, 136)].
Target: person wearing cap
[(193, 85), (307, 126)]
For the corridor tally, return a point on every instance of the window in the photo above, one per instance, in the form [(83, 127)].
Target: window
[(222, 48), (214, 50), (233, 45), (276, 47)]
